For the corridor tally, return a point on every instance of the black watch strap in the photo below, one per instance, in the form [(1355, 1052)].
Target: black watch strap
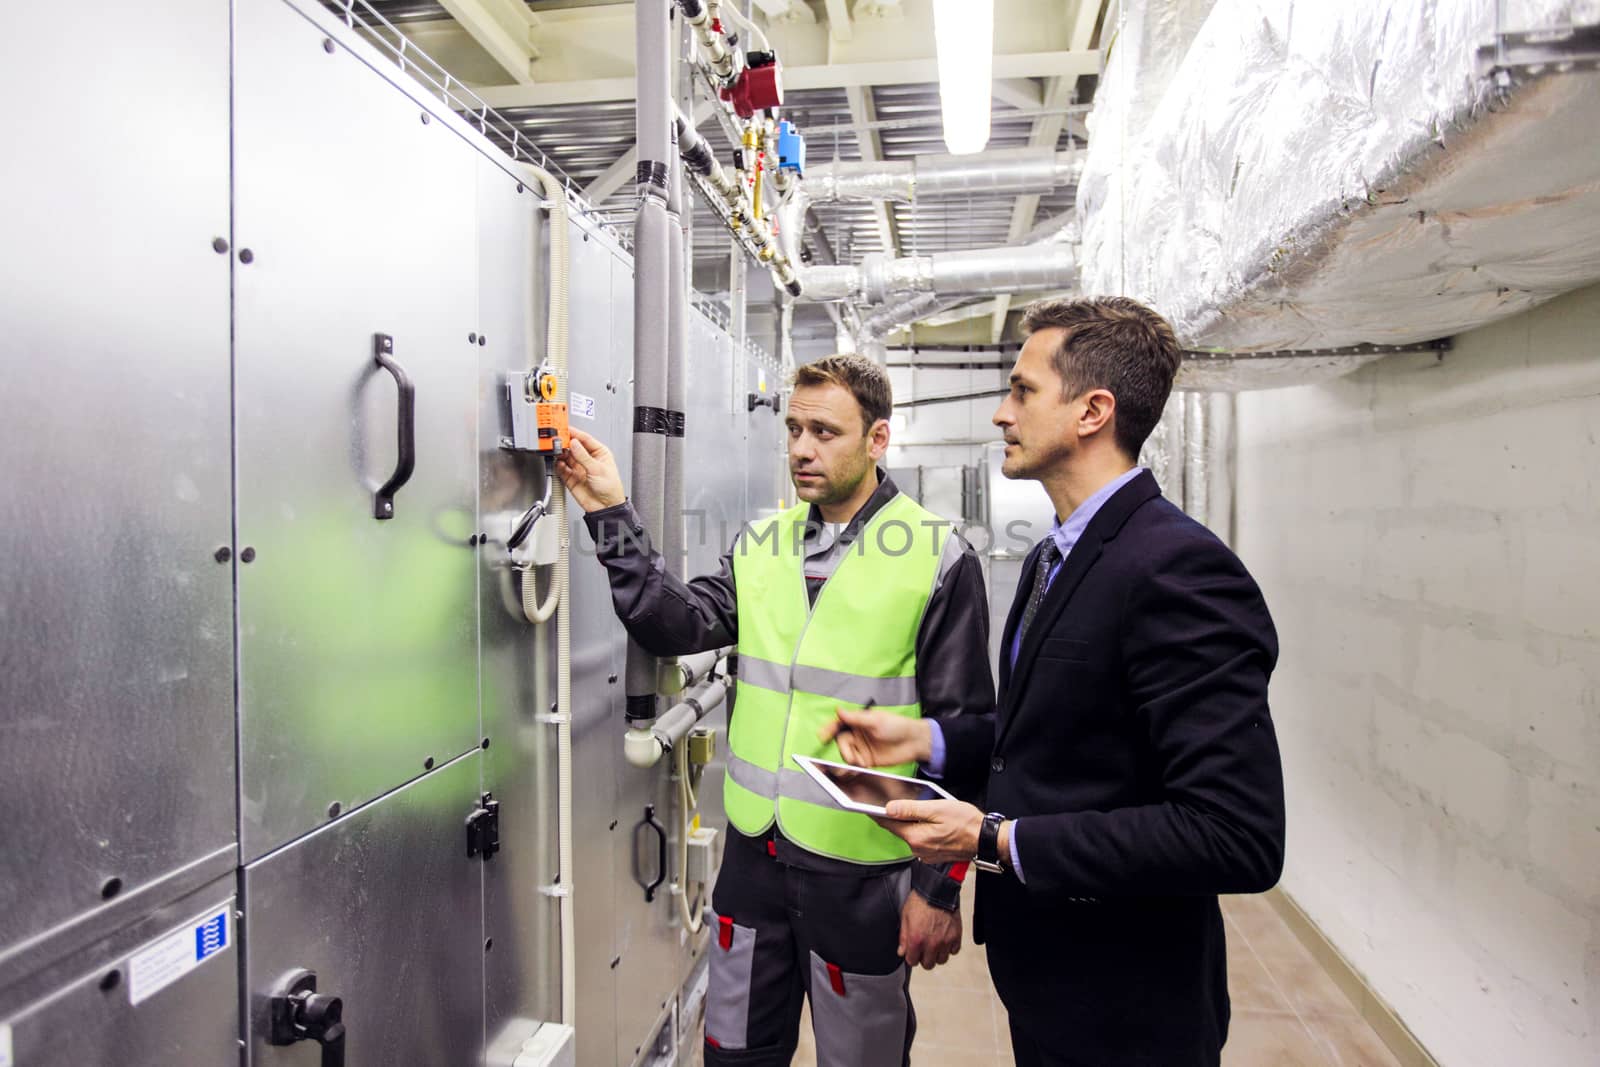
[(988, 858)]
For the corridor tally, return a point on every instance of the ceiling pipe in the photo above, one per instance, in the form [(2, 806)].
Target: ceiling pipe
[(967, 273), (1008, 172), (653, 235), (1002, 172)]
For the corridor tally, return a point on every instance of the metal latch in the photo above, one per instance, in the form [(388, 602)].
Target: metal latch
[(483, 828)]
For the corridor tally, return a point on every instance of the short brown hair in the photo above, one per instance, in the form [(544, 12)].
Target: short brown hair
[(866, 380), (1116, 344)]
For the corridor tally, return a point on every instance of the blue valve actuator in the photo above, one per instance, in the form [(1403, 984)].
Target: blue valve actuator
[(791, 149)]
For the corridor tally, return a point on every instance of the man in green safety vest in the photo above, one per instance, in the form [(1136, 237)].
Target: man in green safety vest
[(855, 597)]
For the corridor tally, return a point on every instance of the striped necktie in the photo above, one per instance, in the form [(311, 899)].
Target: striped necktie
[(1049, 555)]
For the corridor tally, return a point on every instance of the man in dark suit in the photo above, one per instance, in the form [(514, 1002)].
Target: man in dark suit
[(1131, 771)]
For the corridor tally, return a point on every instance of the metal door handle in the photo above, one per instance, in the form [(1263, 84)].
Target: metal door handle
[(651, 822), (383, 500)]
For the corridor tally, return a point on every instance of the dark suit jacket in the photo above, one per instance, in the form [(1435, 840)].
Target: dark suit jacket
[(1134, 748)]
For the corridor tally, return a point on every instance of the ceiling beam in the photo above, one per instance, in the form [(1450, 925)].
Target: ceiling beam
[(864, 111), (782, 10), (1084, 20), (821, 76), (1046, 132), (1023, 94), (503, 29), (840, 27), (1045, 227)]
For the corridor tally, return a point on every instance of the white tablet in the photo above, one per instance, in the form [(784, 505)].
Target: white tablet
[(867, 790)]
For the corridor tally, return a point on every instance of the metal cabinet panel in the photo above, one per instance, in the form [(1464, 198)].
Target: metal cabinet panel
[(646, 938), (597, 318), (116, 663), (357, 637), (100, 1005), (522, 973), (384, 906)]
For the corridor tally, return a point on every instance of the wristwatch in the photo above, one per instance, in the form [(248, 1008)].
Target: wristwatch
[(988, 857)]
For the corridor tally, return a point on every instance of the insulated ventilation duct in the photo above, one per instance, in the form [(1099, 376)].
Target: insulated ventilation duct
[(1012, 171), (1335, 179), (975, 272)]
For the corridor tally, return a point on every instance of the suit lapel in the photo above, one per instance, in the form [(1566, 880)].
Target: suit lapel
[(1105, 525)]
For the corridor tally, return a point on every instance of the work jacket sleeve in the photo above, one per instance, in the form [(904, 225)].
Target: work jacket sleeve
[(954, 679), (1198, 648), (665, 614), (955, 686)]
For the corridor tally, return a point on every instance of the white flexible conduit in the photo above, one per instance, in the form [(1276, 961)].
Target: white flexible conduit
[(687, 803), (556, 353)]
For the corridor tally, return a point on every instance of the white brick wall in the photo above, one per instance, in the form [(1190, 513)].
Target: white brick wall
[(1427, 532)]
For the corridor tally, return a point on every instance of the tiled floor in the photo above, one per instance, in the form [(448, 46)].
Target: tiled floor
[(1287, 1012)]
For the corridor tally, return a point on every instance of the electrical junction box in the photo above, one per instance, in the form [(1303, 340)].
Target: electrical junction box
[(702, 746), (544, 541), (701, 865)]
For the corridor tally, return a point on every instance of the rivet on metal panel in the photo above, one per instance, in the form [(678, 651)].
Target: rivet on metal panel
[(223, 554), (519, 187), (110, 980), (427, 764), (485, 742), (246, 256), (248, 554), (488, 943), (472, 338), (585, 237), (327, 45), (482, 340), (553, 706), (219, 245), (611, 679), (614, 961), (425, 119), (110, 888), (334, 809), (613, 825)]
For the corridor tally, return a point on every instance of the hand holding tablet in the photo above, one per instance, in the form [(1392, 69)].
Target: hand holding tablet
[(865, 790)]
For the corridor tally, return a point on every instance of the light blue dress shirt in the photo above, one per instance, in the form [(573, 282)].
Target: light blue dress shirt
[(1066, 535)]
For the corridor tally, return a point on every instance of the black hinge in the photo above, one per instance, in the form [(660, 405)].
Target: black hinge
[(483, 828)]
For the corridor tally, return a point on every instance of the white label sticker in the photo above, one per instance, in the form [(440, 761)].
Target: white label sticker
[(581, 406), (163, 962), (5, 1046)]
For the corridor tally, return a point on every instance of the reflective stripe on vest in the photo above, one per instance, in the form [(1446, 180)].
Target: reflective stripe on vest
[(798, 662)]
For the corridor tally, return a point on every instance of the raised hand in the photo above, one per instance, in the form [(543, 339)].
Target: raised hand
[(879, 738), (589, 471)]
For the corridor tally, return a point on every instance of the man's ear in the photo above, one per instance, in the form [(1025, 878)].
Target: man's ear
[(878, 436), (1099, 407)]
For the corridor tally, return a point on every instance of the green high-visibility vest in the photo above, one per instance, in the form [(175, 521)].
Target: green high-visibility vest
[(799, 661)]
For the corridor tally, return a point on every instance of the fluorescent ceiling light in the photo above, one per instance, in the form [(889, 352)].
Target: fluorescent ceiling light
[(963, 32)]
